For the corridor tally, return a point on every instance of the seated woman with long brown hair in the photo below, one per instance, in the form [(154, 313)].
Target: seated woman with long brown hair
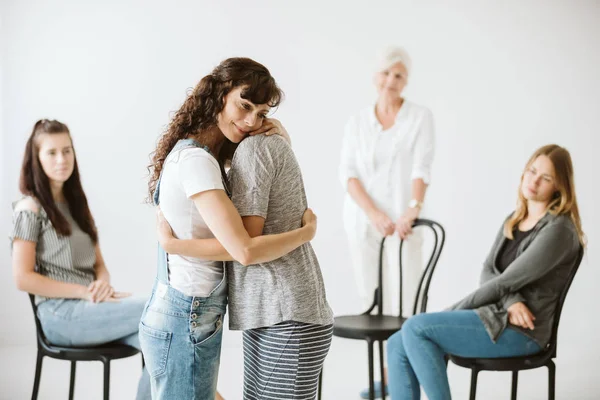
[(56, 254)]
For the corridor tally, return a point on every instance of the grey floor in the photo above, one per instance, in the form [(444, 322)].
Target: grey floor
[(345, 374)]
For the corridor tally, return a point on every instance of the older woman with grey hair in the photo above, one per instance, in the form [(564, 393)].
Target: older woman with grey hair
[(385, 169)]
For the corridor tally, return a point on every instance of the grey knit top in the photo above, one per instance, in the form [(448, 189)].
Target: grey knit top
[(536, 277)]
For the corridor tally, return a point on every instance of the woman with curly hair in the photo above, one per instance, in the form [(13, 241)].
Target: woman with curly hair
[(180, 330)]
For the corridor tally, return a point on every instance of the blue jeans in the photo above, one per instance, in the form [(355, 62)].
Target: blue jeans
[(416, 352), (181, 341), (70, 322)]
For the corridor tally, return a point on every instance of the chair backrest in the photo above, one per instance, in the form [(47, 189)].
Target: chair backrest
[(439, 236), (41, 338), (561, 301)]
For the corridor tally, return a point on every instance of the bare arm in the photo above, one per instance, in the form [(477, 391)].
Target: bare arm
[(27, 280), (418, 189), (360, 196), (205, 249), (380, 220), (232, 239), (100, 268), (24, 245)]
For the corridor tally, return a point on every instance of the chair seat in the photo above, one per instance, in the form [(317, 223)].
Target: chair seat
[(376, 327), (113, 351), (503, 364)]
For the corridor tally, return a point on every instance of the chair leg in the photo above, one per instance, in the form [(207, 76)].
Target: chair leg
[(72, 383), (551, 379), (371, 380), (382, 369), (515, 383), (474, 373), (38, 374), (320, 384), (106, 378)]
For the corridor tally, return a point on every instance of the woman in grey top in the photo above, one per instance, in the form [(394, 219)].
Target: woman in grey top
[(181, 328), (280, 305), (56, 255), (512, 312)]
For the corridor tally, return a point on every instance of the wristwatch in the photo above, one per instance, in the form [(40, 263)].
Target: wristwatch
[(414, 203)]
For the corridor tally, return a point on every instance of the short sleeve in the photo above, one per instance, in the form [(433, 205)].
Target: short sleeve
[(26, 226), (252, 173), (198, 172)]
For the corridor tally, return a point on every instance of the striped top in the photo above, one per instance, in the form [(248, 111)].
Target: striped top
[(68, 259)]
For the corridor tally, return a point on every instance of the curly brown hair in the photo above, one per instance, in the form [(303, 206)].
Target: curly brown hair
[(201, 108)]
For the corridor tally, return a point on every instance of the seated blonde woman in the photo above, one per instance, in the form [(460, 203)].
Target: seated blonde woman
[(511, 313)]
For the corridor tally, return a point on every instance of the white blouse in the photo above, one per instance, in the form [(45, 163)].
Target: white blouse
[(386, 161)]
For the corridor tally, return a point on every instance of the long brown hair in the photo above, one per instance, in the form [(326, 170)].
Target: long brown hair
[(564, 200), (201, 108), (34, 182)]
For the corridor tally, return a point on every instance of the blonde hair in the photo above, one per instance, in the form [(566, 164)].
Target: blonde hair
[(564, 201)]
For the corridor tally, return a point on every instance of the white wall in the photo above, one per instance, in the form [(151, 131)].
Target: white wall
[(502, 78)]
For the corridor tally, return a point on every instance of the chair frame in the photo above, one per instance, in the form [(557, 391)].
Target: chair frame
[(516, 364), (420, 304), (104, 353)]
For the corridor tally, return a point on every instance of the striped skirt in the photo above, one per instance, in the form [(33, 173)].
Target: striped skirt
[(284, 361)]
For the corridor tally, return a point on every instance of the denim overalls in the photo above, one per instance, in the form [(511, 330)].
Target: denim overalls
[(181, 335)]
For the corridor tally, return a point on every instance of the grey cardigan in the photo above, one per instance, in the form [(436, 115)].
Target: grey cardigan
[(536, 277)]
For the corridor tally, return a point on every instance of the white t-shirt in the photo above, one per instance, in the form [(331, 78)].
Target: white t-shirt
[(185, 173)]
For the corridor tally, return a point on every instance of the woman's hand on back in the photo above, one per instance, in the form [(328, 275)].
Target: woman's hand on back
[(164, 231), (272, 126), (309, 221)]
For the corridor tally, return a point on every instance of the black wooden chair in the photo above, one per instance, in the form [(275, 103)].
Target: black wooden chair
[(516, 364), (379, 327), (105, 353)]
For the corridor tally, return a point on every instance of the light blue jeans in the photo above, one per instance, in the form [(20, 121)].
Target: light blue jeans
[(416, 352), (181, 341), (70, 322)]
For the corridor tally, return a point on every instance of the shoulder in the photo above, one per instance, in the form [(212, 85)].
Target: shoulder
[(417, 110), (562, 223), (364, 115), (196, 158), (361, 120), (196, 153), (27, 204), (560, 230), (261, 144)]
